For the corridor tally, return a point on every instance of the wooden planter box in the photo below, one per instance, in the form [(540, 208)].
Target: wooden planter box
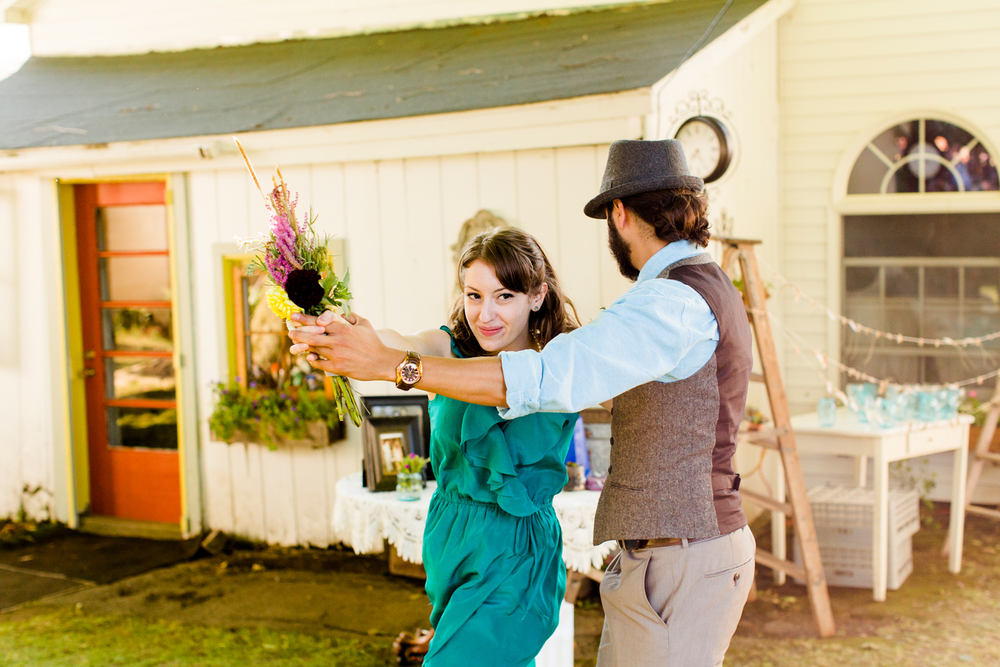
[(318, 437), (974, 432)]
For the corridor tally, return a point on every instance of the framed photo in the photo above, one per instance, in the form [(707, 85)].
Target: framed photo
[(394, 427)]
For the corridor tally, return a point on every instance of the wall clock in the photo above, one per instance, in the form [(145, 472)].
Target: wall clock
[(707, 147)]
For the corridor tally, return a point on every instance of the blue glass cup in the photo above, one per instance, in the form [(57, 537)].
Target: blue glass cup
[(927, 405), (826, 412)]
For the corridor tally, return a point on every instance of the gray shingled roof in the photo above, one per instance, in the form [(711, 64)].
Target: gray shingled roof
[(73, 101)]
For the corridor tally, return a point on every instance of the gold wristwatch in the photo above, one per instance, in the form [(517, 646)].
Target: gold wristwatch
[(409, 371)]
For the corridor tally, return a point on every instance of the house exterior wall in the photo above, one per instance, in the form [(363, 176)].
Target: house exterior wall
[(68, 28), (847, 70)]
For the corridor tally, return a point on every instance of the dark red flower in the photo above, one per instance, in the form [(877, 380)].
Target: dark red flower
[(304, 288)]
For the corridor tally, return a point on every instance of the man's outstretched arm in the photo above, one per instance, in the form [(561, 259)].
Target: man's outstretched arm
[(355, 350)]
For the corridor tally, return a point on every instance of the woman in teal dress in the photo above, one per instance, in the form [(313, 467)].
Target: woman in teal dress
[(492, 543)]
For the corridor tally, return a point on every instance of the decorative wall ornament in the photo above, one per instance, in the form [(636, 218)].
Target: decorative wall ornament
[(482, 221), (698, 103)]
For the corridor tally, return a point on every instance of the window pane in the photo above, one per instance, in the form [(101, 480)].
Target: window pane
[(135, 329), (140, 377), (942, 319), (982, 286), (135, 278), (902, 317), (132, 228), (941, 282), (140, 427), (862, 281), (867, 174), (902, 281)]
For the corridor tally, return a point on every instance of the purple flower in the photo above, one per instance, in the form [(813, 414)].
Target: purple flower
[(253, 385), (284, 397)]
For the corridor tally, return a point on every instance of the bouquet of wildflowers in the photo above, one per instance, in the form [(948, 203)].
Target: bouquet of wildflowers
[(301, 274)]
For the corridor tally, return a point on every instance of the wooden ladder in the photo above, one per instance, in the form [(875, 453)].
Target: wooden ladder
[(782, 439), (982, 456)]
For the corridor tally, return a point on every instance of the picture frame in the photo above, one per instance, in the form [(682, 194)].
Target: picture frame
[(394, 427)]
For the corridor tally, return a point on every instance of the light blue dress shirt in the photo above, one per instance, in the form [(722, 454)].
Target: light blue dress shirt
[(658, 330)]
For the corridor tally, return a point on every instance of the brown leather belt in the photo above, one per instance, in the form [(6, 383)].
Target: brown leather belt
[(634, 545)]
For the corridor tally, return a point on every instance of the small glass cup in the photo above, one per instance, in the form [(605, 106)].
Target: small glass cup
[(826, 411), (409, 485)]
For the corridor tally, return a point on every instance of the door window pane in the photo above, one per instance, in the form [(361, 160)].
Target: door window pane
[(140, 377), (138, 329), (141, 427), (141, 278), (132, 228)]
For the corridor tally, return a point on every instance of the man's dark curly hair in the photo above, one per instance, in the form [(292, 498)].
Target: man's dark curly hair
[(675, 215)]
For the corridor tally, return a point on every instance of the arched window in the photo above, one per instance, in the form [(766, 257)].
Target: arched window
[(923, 155), (922, 269)]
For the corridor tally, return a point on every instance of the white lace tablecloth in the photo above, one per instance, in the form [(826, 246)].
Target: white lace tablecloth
[(363, 519)]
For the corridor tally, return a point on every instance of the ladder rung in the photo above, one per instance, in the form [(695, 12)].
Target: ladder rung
[(768, 559), (982, 511), (767, 502), (768, 434), (756, 377), (762, 442), (989, 456)]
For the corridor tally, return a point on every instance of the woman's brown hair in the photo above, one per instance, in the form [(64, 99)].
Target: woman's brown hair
[(521, 266)]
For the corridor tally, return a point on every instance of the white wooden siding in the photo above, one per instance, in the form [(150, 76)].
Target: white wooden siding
[(398, 220), (107, 27), (27, 404)]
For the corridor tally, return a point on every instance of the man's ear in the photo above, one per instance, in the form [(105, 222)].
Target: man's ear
[(619, 214)]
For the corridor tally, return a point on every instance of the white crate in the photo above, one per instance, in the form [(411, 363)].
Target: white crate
[(848, 510), (849, 564), (843, 520)]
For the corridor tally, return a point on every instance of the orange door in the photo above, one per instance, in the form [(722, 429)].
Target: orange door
[(126, 311)]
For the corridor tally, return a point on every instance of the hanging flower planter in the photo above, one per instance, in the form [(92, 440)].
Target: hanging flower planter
[(278, 418)]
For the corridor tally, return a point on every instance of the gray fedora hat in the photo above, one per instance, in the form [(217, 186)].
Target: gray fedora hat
[(635, 167)]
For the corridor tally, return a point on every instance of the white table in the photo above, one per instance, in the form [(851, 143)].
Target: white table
[(884, 445), (362, 520)]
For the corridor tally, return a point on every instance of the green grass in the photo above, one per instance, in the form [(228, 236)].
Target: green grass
[(68, 638)]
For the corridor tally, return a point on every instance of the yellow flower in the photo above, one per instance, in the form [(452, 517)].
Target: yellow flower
[(280, 304)]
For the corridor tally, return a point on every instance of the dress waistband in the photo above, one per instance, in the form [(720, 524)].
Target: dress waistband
[(544, 502)]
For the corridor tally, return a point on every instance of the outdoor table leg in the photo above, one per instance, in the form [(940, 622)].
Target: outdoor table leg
[(861, 471), (956, 522), (880, 528)]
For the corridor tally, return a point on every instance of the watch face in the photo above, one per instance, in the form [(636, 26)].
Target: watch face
[(706, 147), (410, 372)]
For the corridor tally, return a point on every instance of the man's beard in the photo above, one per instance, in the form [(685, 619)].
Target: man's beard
[(620, 250)]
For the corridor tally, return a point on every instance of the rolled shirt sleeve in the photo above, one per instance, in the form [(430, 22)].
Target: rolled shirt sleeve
[(659, 330)]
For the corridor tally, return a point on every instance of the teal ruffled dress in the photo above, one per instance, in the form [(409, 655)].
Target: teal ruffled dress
[(492, 544)]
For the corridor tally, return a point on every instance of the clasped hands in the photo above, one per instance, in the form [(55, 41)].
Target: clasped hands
[(342, 346)]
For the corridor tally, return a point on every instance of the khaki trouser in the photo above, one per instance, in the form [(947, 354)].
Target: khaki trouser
[(676, 606)]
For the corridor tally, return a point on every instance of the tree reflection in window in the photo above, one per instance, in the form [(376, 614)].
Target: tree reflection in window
[(923, 156)]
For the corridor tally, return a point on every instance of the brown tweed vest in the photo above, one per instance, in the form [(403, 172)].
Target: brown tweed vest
[(671, 472)]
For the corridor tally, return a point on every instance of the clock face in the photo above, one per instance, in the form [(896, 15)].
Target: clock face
[(706, 147)]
